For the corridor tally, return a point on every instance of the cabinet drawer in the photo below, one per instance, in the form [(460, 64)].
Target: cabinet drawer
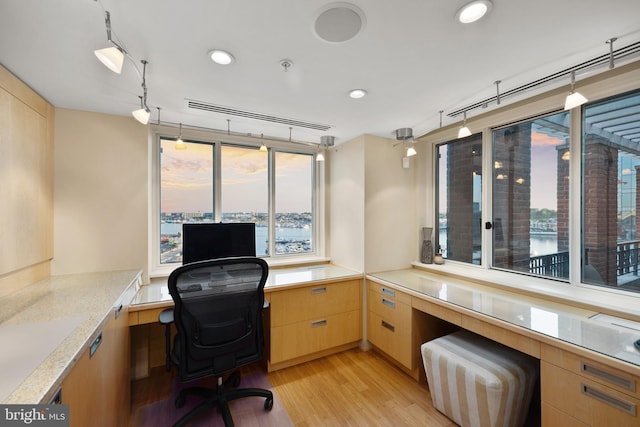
[(606, 375), (388, 292), (588, 401), (313, 302), (552, 417), (309, 336), (389, 308), (393, 338)]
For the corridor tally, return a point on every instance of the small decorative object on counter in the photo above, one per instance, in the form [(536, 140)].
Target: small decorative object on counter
[(426, 254), (438, 259)]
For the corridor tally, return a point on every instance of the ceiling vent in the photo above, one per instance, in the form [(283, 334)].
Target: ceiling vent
[(204, 106)]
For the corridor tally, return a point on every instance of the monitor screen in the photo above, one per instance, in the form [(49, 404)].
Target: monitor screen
[(204, 241)]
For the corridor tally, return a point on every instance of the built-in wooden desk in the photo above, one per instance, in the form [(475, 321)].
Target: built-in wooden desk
[(590, 370), (313, 310)]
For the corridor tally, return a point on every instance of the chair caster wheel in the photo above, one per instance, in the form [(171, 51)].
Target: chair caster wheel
[(180, 400), (235, 381), (268, 404)]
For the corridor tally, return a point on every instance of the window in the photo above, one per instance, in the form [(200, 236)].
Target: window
[(186, 192), (294, 201), (245, 190), (460, 199), (558, 196), (610, 163), (530, 193), (223, 182)]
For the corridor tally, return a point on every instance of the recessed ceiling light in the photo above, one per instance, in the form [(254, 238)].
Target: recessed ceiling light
[(357, 93), (474, 11), (221, 57)]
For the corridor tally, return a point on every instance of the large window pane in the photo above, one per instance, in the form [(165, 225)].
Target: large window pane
[(530, 197), (294, 201), (610, 162), (186, 193), (460, 199), (245, 190)]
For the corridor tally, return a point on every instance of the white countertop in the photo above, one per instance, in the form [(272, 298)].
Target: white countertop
[(157, 293), (45, 327), (553, 319)]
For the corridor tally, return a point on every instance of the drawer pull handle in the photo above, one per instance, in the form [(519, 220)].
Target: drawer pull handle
[(605, 398), (626, 383), (321, 290), (319, 323), (387, 325), (389, 292), (388, 303), (94, 345)]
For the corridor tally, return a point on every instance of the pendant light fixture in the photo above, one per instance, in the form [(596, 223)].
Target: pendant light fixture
[(574, 99), (404, 135), (464, 130), (142, 115), (262, 146), (325, 141), (180, 145), (113, 56)]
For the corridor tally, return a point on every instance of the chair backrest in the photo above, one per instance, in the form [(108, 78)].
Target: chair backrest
[(218, 314)]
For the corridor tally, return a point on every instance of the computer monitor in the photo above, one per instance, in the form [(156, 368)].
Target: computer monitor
[(203, 241)]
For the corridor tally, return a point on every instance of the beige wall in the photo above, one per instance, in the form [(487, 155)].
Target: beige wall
[(373, 210), (101, 193), (391, 231), (346, 204)]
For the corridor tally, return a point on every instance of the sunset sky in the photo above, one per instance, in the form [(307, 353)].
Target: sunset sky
[(187, 180)]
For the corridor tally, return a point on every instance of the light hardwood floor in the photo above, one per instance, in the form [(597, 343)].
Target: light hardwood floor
[(352, 388)]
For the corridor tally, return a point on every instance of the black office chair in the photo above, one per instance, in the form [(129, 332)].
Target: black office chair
[(218, 318)]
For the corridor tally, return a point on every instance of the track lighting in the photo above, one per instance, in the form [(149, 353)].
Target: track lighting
[(180, 145), (262, 146), (325, 141), (112, 57), (574, 99), (142, 115), (464, 130), (404, 135)]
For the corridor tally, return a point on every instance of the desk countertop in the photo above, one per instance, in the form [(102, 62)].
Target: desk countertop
[(156, 294), (45, 327), (551, 319)]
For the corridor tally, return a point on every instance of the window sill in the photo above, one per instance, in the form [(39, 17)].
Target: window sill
[(279, 262), (609, 301)]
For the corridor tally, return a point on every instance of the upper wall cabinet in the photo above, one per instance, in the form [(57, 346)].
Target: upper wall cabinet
[(26, 176)]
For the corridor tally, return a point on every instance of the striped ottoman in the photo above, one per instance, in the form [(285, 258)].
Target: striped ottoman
[(478, 382)]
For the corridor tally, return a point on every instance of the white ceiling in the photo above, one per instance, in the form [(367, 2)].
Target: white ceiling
[(412, 56)]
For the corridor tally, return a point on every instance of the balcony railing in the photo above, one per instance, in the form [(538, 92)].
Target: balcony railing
[(557, 265), (552, 265)]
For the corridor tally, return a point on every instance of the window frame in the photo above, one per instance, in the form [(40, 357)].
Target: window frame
[(158, 132), (596, 88)]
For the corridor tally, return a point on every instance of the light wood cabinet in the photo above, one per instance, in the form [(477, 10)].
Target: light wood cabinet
[(395, 328), (97, 389), (586, 392), (389, 322), (312, 321)]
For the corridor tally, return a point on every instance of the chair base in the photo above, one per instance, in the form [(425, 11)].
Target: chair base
[(220, 398)]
